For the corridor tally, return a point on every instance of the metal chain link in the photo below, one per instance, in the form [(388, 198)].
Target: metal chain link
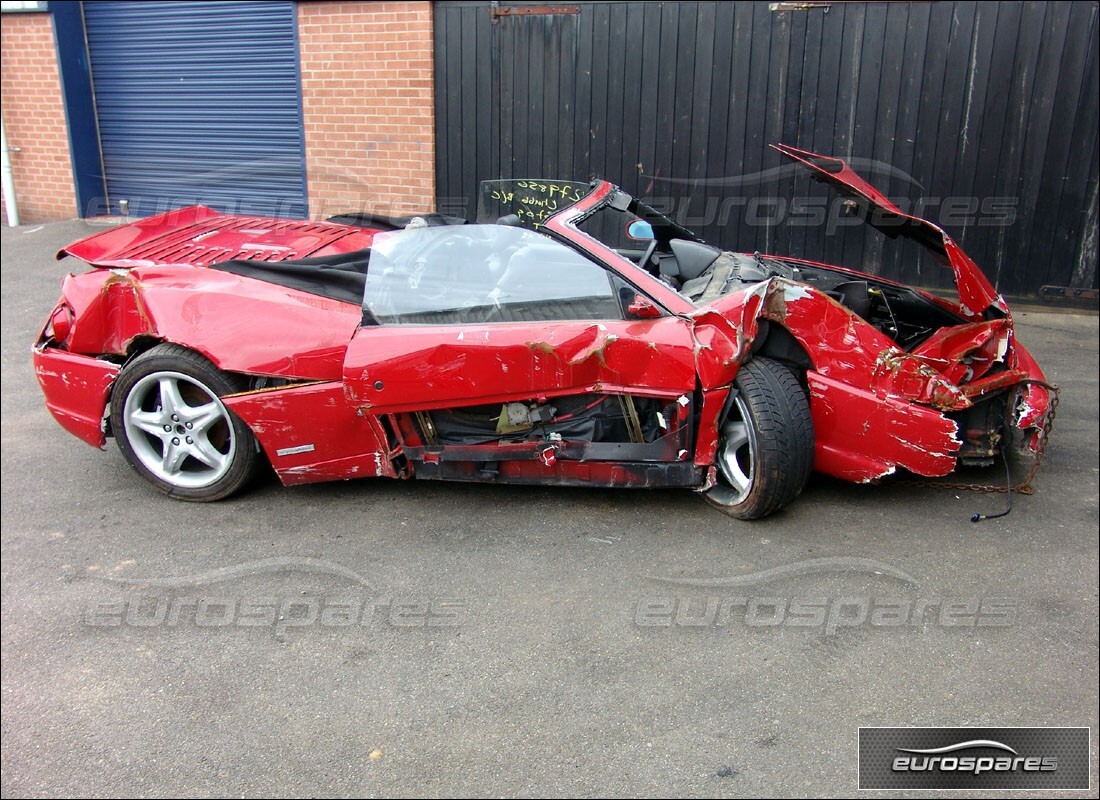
[(1024, 487)]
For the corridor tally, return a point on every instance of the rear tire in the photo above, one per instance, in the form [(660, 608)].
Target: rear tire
[(766, 442), (171, 425)]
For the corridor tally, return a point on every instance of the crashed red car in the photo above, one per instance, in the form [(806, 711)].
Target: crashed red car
[(549, 347)]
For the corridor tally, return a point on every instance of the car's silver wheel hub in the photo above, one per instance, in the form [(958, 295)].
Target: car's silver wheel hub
[(179, 430), (737, 453)]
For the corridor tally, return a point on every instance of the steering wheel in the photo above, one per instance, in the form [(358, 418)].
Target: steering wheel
[(644, 263)]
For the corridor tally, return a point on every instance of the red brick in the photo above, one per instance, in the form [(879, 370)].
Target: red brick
[(34, 119), (369, 116)]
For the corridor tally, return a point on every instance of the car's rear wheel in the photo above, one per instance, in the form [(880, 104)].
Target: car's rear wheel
[(766, 443), (173, 428)]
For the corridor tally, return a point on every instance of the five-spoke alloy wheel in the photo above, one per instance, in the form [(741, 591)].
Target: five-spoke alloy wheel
[(173, 428)]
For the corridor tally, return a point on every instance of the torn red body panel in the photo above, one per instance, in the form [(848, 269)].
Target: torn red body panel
[(417, 368), (976, 293), (255, 320), (533, 349), (1034, 397), (863, 437), (840, 344), (76, 389), (966, 352), (310, 434)]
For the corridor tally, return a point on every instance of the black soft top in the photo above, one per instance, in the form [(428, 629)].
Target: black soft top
[(340, 277)]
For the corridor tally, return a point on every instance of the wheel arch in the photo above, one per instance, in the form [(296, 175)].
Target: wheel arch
[(143, 343), (775, 341), (140, 344)]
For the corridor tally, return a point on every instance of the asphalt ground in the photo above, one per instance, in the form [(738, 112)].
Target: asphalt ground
[(376, 638)]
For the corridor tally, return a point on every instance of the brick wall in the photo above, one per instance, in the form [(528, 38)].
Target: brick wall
[(367, 96), (34, 118)]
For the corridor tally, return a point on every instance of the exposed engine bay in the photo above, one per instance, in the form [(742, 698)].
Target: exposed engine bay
[(899, 312)]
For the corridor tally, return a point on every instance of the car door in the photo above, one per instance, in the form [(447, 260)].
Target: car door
[(467, 315)]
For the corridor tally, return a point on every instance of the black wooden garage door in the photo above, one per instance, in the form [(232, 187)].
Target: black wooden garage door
[(199, 102), (980, 115)]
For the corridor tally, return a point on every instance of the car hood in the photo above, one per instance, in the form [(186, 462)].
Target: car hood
[(976, 293)]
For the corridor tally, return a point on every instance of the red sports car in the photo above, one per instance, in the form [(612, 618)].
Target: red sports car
[(580, 339)]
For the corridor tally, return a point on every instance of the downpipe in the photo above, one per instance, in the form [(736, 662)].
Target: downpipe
[(8, 178)]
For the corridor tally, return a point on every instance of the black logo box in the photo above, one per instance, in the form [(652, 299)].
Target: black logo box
[(1037, 758)]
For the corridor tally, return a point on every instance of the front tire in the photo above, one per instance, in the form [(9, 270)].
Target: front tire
[(766, 442), (174, 430)]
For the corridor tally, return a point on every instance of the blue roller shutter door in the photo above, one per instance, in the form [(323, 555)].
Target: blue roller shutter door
[(199, 102)]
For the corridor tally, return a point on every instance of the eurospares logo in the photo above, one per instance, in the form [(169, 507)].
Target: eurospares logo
[(953, 758), (974, 758)]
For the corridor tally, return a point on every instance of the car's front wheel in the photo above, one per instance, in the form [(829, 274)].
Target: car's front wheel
[(173, 428), (766, 442)]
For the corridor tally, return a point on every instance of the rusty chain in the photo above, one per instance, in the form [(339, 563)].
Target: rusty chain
[(1024, 486)]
